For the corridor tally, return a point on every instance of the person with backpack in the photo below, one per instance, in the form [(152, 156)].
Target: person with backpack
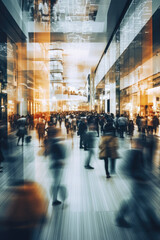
[(122, 123)]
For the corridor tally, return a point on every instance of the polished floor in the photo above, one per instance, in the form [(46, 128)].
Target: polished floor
[(93, 201)]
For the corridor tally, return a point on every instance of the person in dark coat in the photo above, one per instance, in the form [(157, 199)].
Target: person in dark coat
[(22, 129), (139, 203), (90, 144), (122, 123), (138, 122), (155, 123), (82, 128), (130, 128)]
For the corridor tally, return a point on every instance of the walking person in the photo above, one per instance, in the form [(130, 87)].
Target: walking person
[(108, 148), (56, 149), (150, 125), (138, 122), (60, 121), (82, 128), (139, 206), (22, 129), (122, 122), (41, 131), (67, 126), (155, 123), (90, 144), (130, 128)]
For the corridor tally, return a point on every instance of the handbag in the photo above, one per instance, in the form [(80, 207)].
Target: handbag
[(28, 139)]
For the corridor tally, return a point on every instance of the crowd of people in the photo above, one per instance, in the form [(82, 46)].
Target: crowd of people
[(80, 122), (102, 132), (88, 126)]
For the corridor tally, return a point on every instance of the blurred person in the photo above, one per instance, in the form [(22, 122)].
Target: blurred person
[(108, 148), (143, 127), (57, 152), (22, 129), (29, 4), (139, 204), (96, 120), (138, 122), (122, 123), (50, 129), (116, 124), (74, 124), (101, 123), (31, 122), (150, 125), (60, 121), (155, 123), (24, 211), (82, 128), (55, 120), (67, 126), (41, 131), (130, 128), (150, 147), (71, 132), (90, 144)]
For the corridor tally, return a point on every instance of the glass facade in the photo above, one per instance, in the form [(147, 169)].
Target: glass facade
[(3, 78), (131, 67)]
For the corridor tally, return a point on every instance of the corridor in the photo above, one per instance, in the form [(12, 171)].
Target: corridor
[(79, 92), (92, 202)]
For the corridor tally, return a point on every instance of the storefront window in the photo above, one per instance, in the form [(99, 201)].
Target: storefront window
[(12, 76), (3, 80)]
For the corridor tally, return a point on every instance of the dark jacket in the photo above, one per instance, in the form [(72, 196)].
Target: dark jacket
[(82, 128)]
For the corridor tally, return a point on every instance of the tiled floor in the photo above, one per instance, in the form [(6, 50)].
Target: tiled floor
[(93, 201)]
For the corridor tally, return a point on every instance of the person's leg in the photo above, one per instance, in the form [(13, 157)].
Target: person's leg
[(57, 180), (123, 129), (88, 160), (106, 167), (85, 141), (113, 162), (81, 141), (18, 140), (121, 132), (42, 138), (39, 135), (98, 132), (22, 139)]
